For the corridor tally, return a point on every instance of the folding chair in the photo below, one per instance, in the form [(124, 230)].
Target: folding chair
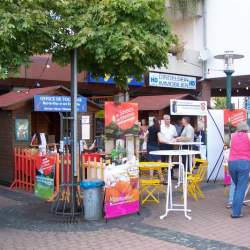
[(195, 180), (150, 181)]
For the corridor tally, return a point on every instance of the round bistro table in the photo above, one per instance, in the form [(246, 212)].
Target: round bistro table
[(170, 206)]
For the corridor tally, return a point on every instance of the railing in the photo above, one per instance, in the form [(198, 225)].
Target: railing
[(91, 166)]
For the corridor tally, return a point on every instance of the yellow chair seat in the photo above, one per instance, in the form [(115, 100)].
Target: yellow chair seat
[(151, 174), (150, 182)]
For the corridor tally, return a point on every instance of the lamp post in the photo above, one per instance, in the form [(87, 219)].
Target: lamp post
[(229, 57)]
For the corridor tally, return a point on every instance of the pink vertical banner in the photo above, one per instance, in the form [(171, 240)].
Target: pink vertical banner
[(121, 190)]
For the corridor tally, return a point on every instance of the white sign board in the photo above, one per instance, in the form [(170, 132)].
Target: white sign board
[(164, 80), (187, 107), (150, 120), (215, 144), (85, 119), (85, 127)]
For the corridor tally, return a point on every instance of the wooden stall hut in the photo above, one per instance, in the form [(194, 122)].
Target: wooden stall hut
[(19, 122)]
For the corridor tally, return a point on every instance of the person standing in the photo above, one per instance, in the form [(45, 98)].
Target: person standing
[(187, 134), (178, 127), (168, 132), (143, 131), (239, 166), (152, 142)]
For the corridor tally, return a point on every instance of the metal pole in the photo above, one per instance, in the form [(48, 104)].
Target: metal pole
[(229, 87), (73, 128)]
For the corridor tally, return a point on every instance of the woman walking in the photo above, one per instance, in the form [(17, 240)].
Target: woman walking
[(239, 166)]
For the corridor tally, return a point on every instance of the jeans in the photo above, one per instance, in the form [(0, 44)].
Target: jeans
[(152, 157), (231, 193), (239, 171)]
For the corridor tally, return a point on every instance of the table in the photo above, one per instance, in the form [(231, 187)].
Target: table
[(188, 143), (180, 145), (170, 206)]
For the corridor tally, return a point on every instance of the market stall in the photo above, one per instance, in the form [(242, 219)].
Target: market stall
[(20, 123)]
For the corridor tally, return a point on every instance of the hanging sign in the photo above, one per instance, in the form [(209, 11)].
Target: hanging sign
[(58, 103), (157, 79), (121, 189), (45, 169), (85, 127), (187, 107)]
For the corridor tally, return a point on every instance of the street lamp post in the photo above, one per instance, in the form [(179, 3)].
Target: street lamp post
[(229, 57)]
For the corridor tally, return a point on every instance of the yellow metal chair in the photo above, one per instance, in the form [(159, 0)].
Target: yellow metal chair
[(195, 179), (151, 178)]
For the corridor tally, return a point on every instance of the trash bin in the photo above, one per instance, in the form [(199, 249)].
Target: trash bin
[(92, 199)]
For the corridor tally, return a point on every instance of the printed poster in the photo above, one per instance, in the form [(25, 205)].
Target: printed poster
[(121, 189), (121, 119), (45, 169), (22, 129), (188, 107), (231, 119)]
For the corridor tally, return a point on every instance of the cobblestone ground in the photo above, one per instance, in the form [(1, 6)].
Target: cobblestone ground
[(26, 223)]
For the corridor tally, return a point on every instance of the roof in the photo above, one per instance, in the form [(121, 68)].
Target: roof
[(19, 96), (156, 102), (43, 68)]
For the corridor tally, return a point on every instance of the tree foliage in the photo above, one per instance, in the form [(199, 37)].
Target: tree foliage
[(116, 37), (220, 102), (24, 31)]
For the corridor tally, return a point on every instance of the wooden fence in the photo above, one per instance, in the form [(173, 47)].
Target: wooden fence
[(25, 169)]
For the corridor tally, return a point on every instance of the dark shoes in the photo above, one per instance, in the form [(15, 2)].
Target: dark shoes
[(236, 216)]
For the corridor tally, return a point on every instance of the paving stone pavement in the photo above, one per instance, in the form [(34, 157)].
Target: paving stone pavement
[(26, 223)]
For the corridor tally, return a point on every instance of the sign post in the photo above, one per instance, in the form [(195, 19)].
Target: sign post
[(73, 130)]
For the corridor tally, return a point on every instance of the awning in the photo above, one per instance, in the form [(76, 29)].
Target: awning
[(9, 100), (158, 102)]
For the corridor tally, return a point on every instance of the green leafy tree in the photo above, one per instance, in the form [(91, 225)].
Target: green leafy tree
[(220, 102), (24, 31), (116, 37)]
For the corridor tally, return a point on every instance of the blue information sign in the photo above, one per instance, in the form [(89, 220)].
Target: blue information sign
[(58, 103), (107, 79)]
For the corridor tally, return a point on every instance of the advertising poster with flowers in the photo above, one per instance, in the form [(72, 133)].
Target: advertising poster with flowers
[(45, 169), (121, 119), (121, 189)]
